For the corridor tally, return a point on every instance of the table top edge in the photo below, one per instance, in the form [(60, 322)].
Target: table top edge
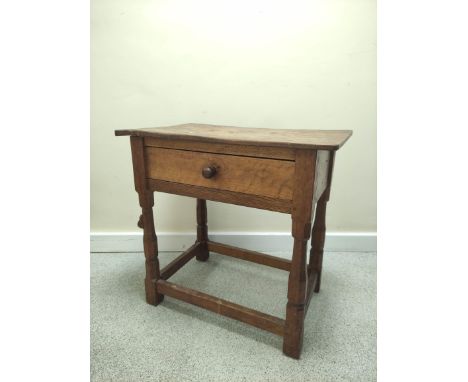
[(153, 132)]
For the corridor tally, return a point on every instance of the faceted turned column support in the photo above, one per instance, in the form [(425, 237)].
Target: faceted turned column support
[(301, 224), (202, 230), (150, 244), (318, 242), (146, 221), (297, 285)]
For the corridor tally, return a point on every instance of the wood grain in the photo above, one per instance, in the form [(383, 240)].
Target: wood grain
[(287, 171), (253, 256), (309, 139), (257, 176), (226, 308), (301, 225), (284, 153), (264, 203), (150, 241), (180, 261)]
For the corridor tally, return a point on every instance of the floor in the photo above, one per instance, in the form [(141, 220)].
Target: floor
[(132, 341)]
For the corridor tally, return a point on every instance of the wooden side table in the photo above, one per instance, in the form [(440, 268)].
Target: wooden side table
[(286, 171)]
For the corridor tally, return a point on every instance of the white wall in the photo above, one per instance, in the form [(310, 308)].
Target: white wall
[(277, 64)]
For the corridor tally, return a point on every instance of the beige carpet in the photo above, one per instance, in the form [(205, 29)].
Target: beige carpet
[(133, 341)]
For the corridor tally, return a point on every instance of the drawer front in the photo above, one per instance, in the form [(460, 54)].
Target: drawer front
[(257, 176)]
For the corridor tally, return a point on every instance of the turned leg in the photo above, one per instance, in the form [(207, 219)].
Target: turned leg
[(301, 214), (146, 221), (318, 241), (297, 285), (150, 244), (202, 230)]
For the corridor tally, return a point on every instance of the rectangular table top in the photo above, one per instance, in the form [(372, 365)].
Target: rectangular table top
[(313, 139)]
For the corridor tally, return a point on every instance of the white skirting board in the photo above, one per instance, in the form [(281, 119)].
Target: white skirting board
[(272, 242)]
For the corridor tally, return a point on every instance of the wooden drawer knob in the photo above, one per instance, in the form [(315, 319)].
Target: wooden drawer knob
[(209, 172)]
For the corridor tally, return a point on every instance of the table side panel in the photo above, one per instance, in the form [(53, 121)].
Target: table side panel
[(321, 173)]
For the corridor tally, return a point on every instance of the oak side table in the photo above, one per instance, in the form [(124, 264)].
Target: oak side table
[(287, 171)]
